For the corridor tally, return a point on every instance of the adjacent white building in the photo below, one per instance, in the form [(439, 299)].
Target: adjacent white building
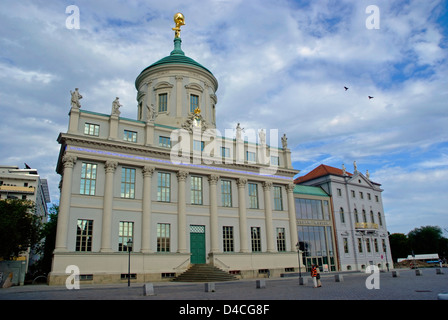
[(25, 184), (360, 225)]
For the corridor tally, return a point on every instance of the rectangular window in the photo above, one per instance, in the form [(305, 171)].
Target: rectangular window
[(281, 241), (226, 193), (125, 233), (84, 235), (164, 142), (227, 237), (255, 239), (163, 237), (275, 161), (250, 156), (225, 152), (278, 203), (339, 192), (88, 179), (353, 193), (345, 240), (163, 102), (359, 245), (194, 102), (196, 190), (163, 186), (253, 196), (368, 245), (91, 129), (128, 183), (130, 136), (198, 145)]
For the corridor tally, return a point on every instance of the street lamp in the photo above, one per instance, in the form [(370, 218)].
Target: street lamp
[(129, 243)]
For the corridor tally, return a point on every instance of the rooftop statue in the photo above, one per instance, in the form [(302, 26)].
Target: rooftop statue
[(179, 20)]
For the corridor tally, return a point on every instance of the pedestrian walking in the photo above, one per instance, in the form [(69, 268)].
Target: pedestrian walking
[(319, 284), (314, 275)]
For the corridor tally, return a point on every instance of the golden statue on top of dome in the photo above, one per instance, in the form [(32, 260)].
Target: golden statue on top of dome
[(179, 20)]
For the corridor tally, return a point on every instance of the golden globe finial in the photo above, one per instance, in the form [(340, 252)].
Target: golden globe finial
[(179, 20)]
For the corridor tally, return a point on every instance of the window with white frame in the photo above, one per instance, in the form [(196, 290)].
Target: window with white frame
[(226, 193), (84, 235), (125, 233), (196, 190), (88, 179), (163, 237), (253, 195), (127, 183), (92, 129), (278, 202), (255, 239), (227, 237), (163, 102), (130, 136), (163, 186)]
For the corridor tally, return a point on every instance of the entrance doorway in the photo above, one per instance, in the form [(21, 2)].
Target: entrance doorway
[(197, 244)]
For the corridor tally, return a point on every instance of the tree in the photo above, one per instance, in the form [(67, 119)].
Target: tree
[(20, 228), (425, 239), (49, 233), (399, 245)]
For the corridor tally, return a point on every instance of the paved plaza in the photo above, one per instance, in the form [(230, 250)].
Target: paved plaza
[(408, 286)]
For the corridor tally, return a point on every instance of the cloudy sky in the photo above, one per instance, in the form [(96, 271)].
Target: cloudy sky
[(280, 65)]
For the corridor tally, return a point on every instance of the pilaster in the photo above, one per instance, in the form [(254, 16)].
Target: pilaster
[(182, 215), (110, 168), (68, 161), (241, 183), (146, 204)]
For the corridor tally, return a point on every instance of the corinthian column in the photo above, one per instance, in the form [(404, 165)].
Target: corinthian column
[(213, 180), (110, 168), (292, 216), (268, 216), (64, 204), (146, 203), (241, 183), (181, 211)]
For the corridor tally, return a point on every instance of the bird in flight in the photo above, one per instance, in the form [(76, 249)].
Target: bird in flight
[(345, 88), (370, 97)]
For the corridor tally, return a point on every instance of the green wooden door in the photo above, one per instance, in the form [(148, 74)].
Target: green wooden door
[(197, 244)]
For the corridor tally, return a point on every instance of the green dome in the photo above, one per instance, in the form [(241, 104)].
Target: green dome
[(177, 56)]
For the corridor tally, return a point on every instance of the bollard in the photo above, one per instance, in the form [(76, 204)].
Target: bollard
[(395, 274), (303, 281), (418, 272), (209, 287), (442, 296), (148, 289), (261, 284), (338, 278)]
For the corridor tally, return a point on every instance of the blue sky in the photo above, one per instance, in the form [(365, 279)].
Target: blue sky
[(280, 65)]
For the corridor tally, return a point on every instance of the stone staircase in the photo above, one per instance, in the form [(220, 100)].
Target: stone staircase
[(204, 273)]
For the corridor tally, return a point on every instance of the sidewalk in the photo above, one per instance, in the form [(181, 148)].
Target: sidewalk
[(408, 286)]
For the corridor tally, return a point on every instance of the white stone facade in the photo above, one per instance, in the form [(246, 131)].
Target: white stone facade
[(120, 172), (359, 218)]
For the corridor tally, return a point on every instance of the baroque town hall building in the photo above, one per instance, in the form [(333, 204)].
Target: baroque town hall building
[(168, 188)]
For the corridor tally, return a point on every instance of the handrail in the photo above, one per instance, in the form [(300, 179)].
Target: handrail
[(188, 259), (217, 259)]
